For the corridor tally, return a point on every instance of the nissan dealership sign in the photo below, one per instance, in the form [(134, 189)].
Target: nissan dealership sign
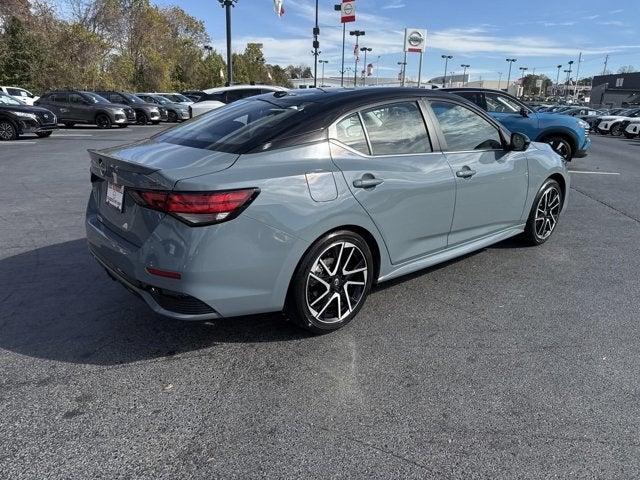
[(415, 40)]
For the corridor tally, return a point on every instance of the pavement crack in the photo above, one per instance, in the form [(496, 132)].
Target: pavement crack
[(631, 217)]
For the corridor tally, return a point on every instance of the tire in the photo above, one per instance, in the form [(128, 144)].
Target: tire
[(172, 116), (44, 134), (122, 125), (141, 118), (616, 130), (321, 276), (103, 121), (8, 131), (561, 145), (69, 124), (629, 135), (544, 217), (155, 122)]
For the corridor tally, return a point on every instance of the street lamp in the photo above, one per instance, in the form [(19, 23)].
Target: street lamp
[(403, 66), (316, 46), (566, 92), (323, 62), (338, 8), (557, 79), (464, 72), (227, 4), (357, 34), (364, 77), (510, 60), (446, 61)]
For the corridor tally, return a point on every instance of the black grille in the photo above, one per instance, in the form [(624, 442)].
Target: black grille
[(179, 302), (46, 117)]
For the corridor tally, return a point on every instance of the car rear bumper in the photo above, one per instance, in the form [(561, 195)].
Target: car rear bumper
[(235, 268)]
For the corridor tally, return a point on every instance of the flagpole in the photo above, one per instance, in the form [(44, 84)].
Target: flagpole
[(344, 34), (420, 69), (316, 45)]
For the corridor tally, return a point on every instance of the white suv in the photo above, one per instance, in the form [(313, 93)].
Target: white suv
[(25, 96), (219, 97)]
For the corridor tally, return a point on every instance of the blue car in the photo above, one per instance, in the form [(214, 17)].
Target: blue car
[(568, 136)]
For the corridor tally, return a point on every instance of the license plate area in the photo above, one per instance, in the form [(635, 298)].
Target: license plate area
[(115, 195)]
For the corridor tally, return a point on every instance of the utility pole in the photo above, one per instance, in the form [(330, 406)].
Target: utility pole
[(510, 60), (227, 4), (338, 7), (464, 72), (364, 77), (575, 90), (566, 93), (446, 62), (316, 46), (420, 69), (499, 79), (606, 61), (357, 34), (378, 70), (323, 62), (403, 66), (557, 80)]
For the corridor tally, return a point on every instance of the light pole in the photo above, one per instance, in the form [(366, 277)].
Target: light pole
[(338, 8), (323, 62), (499, 80), (227, 4), (357, 34), (464, 72), (378, 70), (523, 69), (566, 92), (364, 77), (403, 66), (557, 79), (316, 46), (446, 62), (510, 60)]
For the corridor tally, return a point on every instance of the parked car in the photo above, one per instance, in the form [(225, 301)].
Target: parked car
[(16, 119), (176, 98), (176, 112), (193, 95), (303, 201), (568, 136), (632, 128), (613, 124), (25, 96), (145, 112), (77, 106), (218, 97)]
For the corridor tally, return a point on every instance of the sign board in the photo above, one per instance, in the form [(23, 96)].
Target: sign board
[(348, 11), (539, 83), (415, 40)]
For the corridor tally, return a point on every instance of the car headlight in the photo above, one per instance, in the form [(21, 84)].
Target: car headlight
[(32, 116), (119, 111), (154, 110), (583, 124)]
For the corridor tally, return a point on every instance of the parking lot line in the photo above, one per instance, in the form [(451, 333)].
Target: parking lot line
[(19, 142), (72, 135), (593, 173)]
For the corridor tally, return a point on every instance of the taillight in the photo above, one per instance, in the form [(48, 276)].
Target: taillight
[(197, 208)]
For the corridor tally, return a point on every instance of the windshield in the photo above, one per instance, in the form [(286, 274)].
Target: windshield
[(132, 98), (7, 100), (160, 99), (176, 97), (238, 127), (94, 98)]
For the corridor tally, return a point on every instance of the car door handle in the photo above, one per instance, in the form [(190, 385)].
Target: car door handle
[(466, 172), (367, 181)]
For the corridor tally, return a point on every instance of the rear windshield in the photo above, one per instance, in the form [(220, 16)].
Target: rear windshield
[(241, 126)]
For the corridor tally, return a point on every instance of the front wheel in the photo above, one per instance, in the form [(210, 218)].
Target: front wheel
[(44, 134), (103, 121), (616, 130), (172, 117), (7, 130), (561, 146), (141, 118), (331, 283), (629, 135), (544, 214)]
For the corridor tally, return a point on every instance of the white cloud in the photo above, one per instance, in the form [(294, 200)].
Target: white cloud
[(394, 4)]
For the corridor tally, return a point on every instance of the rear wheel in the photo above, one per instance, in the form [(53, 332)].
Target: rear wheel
[(561, 146), (544, 214), (103, 121), (616, 130), (7, 130), (44, 134), (331, 283), (122, 125), (155, 122)]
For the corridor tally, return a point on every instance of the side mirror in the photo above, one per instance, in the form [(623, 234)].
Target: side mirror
[(519, 142), (524, 112)]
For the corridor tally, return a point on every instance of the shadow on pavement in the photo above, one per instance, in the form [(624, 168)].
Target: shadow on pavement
[(57, 303)]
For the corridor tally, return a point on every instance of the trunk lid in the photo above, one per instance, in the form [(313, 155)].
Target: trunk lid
[(147, 166)]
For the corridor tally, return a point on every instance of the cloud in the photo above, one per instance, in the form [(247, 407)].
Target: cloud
[(614, 23), (394, 4), (590, 17), (557, 24)]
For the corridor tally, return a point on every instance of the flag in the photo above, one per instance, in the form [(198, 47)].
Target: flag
[(369, 69), (278, 7), (269, 75), (221, 72)]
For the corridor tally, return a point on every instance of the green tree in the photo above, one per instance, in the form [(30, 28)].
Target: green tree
[(21, 54)]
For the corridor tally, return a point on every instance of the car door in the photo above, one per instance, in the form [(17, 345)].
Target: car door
[(508, 111), (404, 184), (79, 109), (60, 104), (491, 182)]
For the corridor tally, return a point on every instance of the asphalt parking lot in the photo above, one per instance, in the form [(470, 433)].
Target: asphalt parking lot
[(512, 362)]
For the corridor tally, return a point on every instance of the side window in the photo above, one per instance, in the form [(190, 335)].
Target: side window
[(14, 92), (464, 129), (233, 95), (217, 97), (59, 98), (474, 97), (75, 98), (116, 98), (397, 128), (501, 104), (350, 132)]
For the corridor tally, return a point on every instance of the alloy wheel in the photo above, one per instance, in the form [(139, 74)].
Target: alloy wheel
[(561, 147), (336, 282), (547, 212), (7, 132)]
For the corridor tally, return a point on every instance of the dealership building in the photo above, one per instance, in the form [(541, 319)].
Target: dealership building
[(617, 90)]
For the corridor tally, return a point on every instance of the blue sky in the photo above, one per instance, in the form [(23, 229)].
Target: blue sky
[(540, 34)]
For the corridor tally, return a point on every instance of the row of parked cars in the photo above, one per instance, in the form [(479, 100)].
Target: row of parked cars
[(22, 112)]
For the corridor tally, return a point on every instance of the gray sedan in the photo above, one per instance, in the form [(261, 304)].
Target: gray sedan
[(300, 201)]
